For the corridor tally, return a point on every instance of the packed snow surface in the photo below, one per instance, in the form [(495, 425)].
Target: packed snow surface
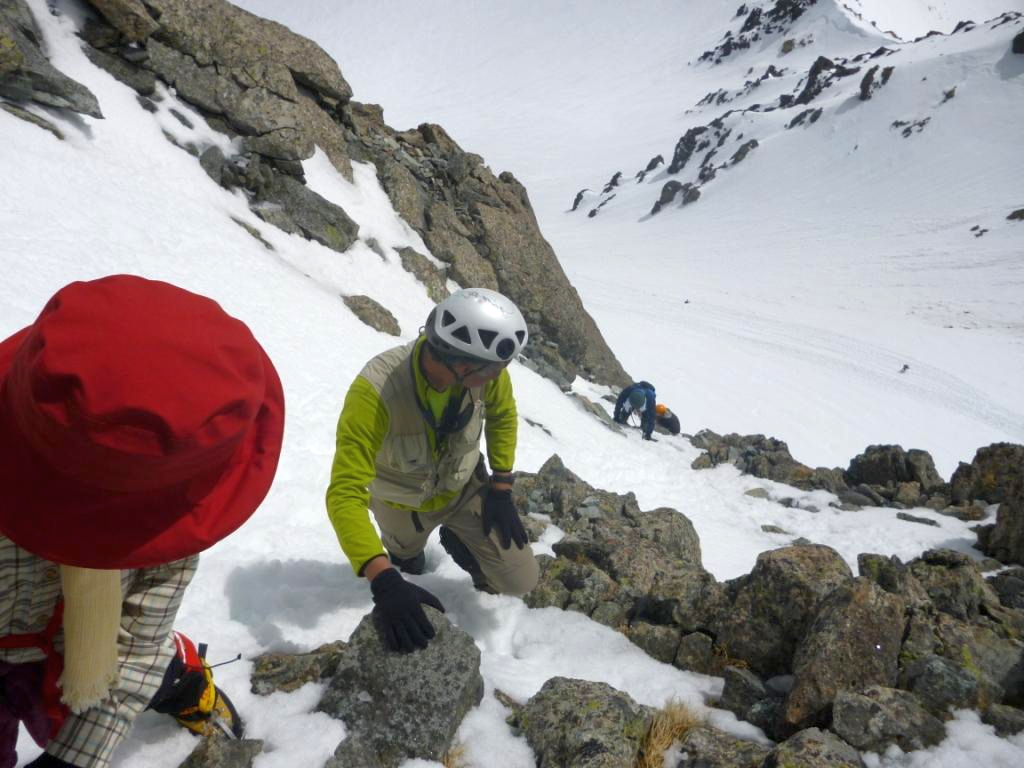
[(785, 302)]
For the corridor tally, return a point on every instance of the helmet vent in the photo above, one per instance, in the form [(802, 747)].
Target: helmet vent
[(447, 318), (487, 337), (521, 335), (505, 349), (462, 334)]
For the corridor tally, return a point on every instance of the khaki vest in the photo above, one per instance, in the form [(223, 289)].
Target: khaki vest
[(407, 471)]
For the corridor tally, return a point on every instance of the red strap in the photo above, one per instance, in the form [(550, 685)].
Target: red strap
[(55, 709)]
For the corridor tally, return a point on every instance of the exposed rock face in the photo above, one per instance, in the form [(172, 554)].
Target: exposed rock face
[(636, 571), (881, 716), (580, 724), (772, 607), (283, 96), (289, 204), (438, 686), (890, 464), (432, 276), (483, 226), (25, 73), (854, 642)]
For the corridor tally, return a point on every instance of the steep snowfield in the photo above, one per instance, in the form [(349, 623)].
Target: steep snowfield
[(792, 325), (832, 256)]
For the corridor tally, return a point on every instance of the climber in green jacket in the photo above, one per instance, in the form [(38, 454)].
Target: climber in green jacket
[(408, 450)]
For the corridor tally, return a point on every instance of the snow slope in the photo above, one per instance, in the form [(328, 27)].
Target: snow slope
[(117, 197)]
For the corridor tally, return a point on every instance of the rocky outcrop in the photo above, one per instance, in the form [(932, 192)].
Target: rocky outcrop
[(219, 752), (710, 748), (483, 227), (281, 96), (581, 724), (288, 672), (814, 748), (639, 572), (990, 474), (438, 686), (880, 716), (25, 73)]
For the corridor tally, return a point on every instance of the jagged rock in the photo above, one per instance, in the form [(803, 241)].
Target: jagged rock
[(813, 748), (593, 408), (941, 684), (815, 83), (916, 519), (711, 748), (696, 653), (953, 583), (888, 465), (1009, 586), (25, 72), (692, 141), (1018, 43), (217, 752), (1017, 215), (763, 457), (880, 716), (581, 724), (141, 80), (613, 182), (771, 608), (615, 562), (438, 685), (854, 642), (893, 576), (432, 276), (988, 652), (295, 207), (31, 117), (657, 641), (1006, 720), (1006, 540), (668, 194), (743, 689), (373, 314), (578, 199), (743, 151), (290, 671), (273, 86), (129, 17)]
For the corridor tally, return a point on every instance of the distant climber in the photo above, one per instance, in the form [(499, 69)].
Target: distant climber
[(905, 368), (638, 398), (666, 419)]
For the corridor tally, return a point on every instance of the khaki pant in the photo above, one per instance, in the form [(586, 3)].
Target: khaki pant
[(511, 571)]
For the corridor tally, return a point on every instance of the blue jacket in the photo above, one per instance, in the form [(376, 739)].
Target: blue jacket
[(623, 408)]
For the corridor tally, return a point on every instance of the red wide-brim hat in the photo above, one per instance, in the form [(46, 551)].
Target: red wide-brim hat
[(139, 424)]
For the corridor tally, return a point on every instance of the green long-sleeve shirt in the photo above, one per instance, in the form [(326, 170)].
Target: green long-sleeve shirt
[(362, 428)]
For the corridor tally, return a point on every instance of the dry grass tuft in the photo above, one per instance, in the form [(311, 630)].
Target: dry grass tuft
[(670, 724), (455, 757)]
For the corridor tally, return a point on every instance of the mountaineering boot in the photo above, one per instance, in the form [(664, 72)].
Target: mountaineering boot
[(414, 565), (463, 558), (190, 697)]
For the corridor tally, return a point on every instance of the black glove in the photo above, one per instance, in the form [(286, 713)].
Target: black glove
[(501, 513), (399, 611), (48, 761)]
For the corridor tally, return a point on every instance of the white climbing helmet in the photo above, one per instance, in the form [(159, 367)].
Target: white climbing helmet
[(477, 323)]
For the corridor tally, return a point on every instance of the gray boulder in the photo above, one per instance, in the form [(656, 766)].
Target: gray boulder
[(578, 723), (711, 748), (218, 752), (25, 72), (289, 204), (953, 583), (743, 689), (397, 706), (881, 716), (941, 685), (373, 314), (432, 276), (771, 608), (854, 642), (1006, 720), (1009, 585), (813, 748)]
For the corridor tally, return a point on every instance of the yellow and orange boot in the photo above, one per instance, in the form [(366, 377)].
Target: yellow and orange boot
[(189, 695)]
